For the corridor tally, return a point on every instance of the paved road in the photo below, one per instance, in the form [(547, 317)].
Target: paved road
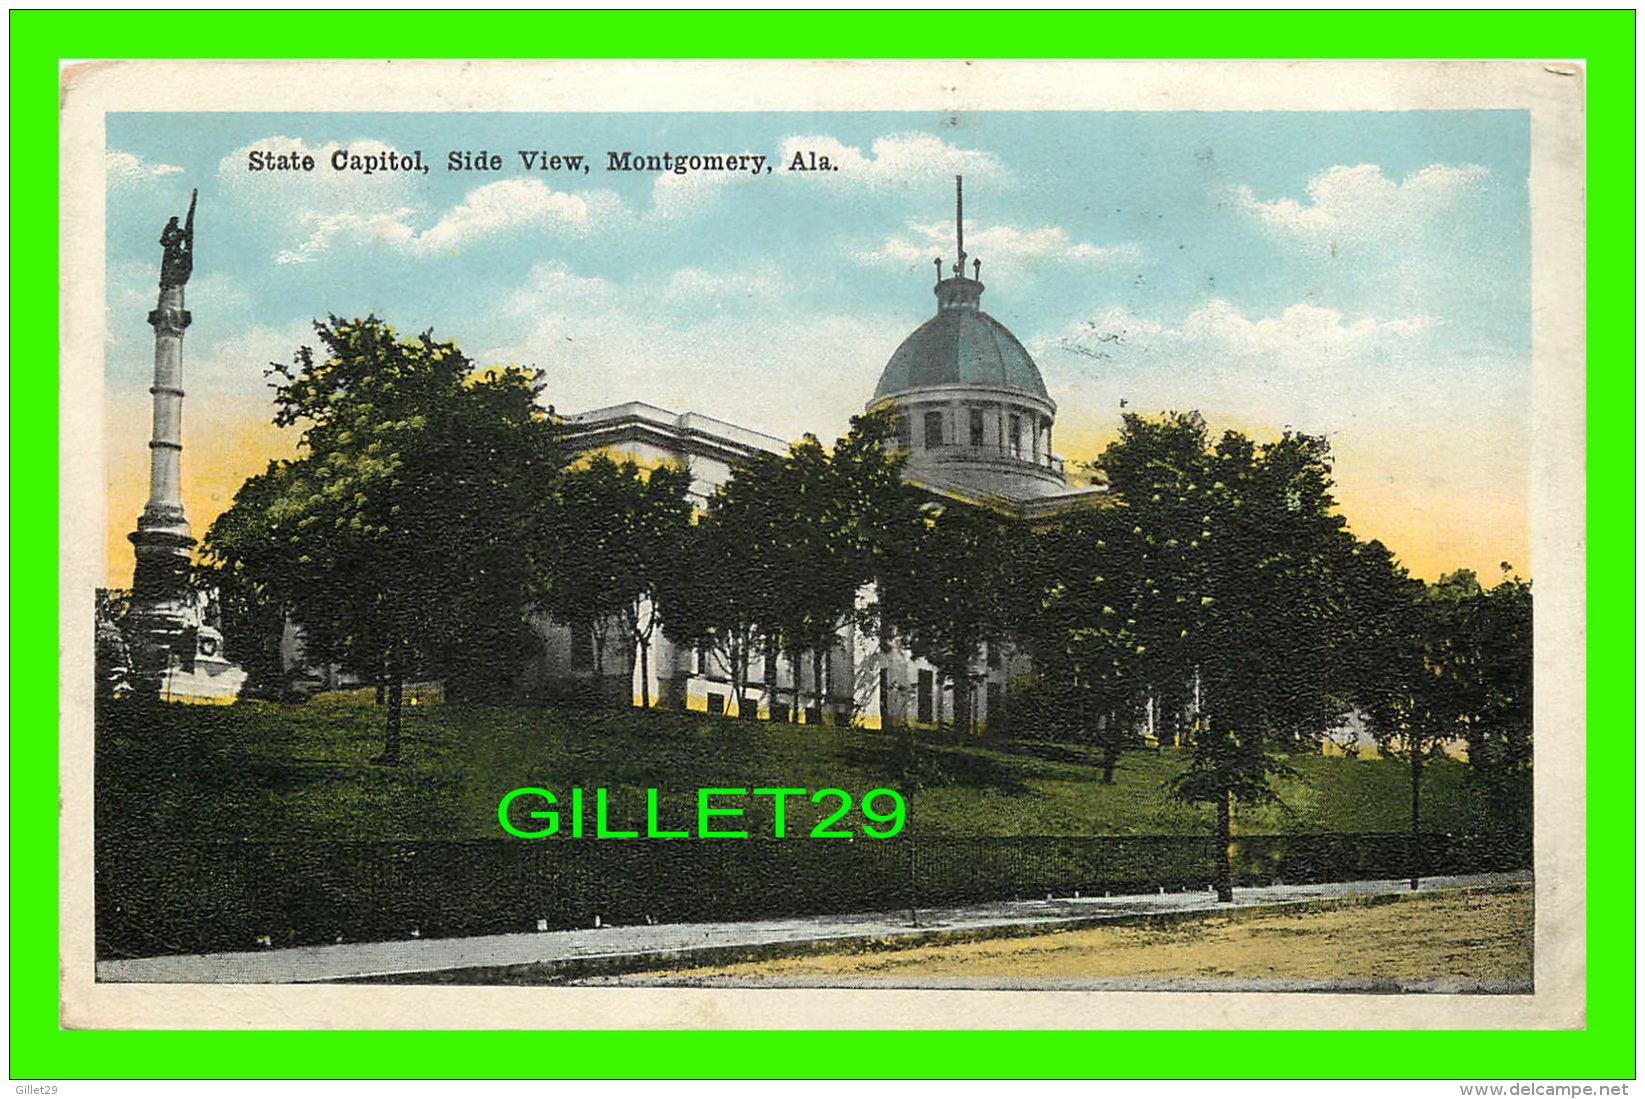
[(548, 955)]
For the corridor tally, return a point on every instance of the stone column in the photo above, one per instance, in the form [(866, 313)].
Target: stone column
[(163, 628), (163, 539)]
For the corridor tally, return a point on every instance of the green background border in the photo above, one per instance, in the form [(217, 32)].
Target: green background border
[(1605, 1050)]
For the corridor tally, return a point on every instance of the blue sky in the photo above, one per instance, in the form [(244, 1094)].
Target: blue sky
[(1360, 275)]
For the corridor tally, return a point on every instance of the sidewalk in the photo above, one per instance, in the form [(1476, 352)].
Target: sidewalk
[(604, 950)]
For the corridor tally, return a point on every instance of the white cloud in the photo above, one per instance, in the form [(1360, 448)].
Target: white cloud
[(553, 285), (126, 170), (1359, 204), (676, 341), (323, 208), (675, 196), (316, 209), (896, 160), (1002, 244), (512, 205), (323, 230), (1306, 330), (1314, 367)]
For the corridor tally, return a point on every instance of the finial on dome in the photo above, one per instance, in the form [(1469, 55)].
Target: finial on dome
[(957, 291)]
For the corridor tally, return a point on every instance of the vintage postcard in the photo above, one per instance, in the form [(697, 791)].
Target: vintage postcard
[(847, 544)]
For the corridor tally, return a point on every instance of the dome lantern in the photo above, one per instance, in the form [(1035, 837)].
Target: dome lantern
[(975, 411)]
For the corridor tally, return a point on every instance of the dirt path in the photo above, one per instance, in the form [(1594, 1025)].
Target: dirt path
[(1473, 934)]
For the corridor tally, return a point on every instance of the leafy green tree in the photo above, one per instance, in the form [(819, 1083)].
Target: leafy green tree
[(619, 536), (1236, 594), (1082, 631), (720, 598), (405, 537), (1488, 666), (784, 549), (1500, 735), (1446, 662), (1397, 654), (253, 618), (815, 573), (951, 583), (831, 511)]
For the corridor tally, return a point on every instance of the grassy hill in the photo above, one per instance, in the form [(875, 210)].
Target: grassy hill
[(263, 771)]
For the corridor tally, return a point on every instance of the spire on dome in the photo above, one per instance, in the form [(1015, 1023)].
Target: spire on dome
[(957, 291)]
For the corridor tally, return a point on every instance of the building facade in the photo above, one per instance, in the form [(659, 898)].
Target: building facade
[(976, 422)]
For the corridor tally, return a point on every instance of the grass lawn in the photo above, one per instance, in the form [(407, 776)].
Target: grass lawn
[(266, 771)]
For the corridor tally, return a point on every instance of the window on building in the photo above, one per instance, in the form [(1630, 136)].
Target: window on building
[(702, 659), (993, 648), (905, 433), (716, 702), (771, 664), (885, 697), (1016, 435), (933, 430), (926, 691), (976, 427)]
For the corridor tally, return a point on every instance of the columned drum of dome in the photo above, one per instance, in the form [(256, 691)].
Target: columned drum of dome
[(973, 409)]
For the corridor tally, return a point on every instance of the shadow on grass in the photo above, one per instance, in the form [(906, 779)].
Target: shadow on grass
[(932, 765)]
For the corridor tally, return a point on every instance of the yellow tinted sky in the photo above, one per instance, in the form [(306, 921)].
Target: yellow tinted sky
[(1386, 484)]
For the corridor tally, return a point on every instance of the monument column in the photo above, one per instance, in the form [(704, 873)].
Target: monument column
[(160, 590)]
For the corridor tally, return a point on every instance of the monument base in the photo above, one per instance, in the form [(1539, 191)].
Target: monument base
[(166, 647)]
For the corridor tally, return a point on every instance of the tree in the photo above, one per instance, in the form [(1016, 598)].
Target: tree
[(1236, 595), (815, 568), (1398, 671), (1500, 745), (406, 537), (951, 583), (619, 536), (253, 618), (720, 597), (1444, 662), (785, 548), (830, 512)]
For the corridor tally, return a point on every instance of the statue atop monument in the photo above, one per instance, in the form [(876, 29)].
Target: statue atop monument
[(178, 262)]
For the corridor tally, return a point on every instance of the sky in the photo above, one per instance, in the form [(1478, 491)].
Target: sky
[(1362, 276)]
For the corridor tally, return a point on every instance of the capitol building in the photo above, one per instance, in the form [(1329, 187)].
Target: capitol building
[(976, 422)]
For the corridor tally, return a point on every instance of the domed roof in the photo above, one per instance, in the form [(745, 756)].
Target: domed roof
[(961, 345)]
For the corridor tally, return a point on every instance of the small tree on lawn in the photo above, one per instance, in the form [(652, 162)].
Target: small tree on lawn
[(405, 538)]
